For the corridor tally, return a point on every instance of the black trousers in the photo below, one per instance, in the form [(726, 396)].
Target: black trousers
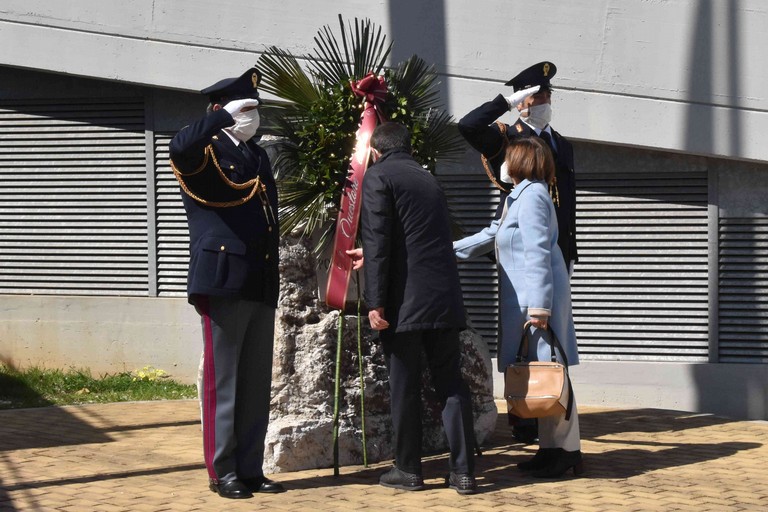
[(403, 357)]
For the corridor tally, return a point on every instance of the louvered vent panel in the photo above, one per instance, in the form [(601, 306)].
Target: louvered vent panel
[(640, 287), (743, 291), (473, 201), (73, 216), (172, 231)]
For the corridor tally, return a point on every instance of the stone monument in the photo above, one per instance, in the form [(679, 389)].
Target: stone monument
[(300, 432)]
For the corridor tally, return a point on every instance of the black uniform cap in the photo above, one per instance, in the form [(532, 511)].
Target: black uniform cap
[(238, 88), (538, 74)]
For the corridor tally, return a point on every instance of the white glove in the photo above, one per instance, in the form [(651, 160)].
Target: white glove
[(234, 107), (518, 97)]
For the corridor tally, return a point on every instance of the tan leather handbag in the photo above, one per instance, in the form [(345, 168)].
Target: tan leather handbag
[(534, 389)]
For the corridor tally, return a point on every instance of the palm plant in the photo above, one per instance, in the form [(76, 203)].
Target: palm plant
[(319, 114)]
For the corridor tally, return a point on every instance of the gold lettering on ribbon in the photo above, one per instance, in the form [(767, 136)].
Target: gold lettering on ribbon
[(347, 222)]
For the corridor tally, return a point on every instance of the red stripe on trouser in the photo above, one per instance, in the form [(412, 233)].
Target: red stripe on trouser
[(209, 390)]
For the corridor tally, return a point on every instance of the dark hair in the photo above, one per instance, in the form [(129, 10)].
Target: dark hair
[(530, 158), (391, 135)]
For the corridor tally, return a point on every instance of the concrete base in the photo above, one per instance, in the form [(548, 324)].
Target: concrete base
[(737, 391), (104, 334)]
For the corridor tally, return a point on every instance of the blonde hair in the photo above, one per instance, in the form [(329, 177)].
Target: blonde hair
[(530, 158)]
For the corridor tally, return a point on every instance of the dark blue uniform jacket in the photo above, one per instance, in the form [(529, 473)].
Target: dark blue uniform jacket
[(230, 198), (479, 129)]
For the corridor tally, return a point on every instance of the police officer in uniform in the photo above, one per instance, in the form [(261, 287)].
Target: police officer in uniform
[(532, 98), (230, 198)]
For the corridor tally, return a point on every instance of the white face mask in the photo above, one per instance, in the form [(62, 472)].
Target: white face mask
[(504, 173), (538, 116), (246, 124)]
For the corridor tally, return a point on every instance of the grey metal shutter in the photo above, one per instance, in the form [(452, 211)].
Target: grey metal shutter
[(171, 231), (73, 217), (640, 287), (473, 201), (743, 291)]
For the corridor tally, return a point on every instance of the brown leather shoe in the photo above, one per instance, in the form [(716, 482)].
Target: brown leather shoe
[(233, 489), (263, 484)]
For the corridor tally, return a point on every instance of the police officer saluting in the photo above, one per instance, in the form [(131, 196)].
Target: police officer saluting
[(532, 98), (230, 198)]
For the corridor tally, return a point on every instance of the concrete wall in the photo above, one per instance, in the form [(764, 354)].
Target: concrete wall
[(104, 334), (111, 334), (684, 75)]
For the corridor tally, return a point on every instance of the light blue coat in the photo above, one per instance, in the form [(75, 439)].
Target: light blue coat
[(533, 278)]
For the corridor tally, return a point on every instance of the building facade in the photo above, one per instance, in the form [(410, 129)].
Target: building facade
[(665, 103)]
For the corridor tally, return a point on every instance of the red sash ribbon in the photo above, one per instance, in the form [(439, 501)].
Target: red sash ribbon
[(373, 90)]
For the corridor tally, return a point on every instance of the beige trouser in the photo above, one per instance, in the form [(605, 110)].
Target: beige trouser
[(554, 431)]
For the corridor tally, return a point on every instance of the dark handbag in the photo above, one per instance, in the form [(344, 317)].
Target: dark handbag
[(534, 389)]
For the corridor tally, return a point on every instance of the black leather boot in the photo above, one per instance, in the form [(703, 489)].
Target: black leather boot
[(561, 464), (543, 458)]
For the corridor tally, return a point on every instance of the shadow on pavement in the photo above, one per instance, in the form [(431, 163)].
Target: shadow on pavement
[(644, 456), (496, 467), (597, 424), (46, 427), (103, 477)]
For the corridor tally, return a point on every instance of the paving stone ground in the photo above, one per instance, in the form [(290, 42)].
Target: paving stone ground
[(148, 457)]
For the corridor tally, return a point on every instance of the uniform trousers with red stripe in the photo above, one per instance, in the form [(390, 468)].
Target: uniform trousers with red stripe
[(238, 338)]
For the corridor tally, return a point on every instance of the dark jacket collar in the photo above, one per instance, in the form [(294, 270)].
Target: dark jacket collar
[(522, 128), (393, 153)]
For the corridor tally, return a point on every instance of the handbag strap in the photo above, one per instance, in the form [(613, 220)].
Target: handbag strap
[(522, 350), (569, 408)]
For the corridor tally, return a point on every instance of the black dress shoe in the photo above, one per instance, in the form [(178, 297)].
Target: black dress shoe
[(232, 489), (263, 484), (462, 483), (561, 464), (543, 458), (398, 479)]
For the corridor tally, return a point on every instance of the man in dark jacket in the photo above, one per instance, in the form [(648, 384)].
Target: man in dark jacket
[(230, 198), (413, 292), (532, 98)]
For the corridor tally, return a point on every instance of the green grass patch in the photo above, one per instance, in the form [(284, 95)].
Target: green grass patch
[(37, 387)]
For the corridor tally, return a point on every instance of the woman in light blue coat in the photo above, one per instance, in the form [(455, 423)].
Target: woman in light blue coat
[(533, 286)]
